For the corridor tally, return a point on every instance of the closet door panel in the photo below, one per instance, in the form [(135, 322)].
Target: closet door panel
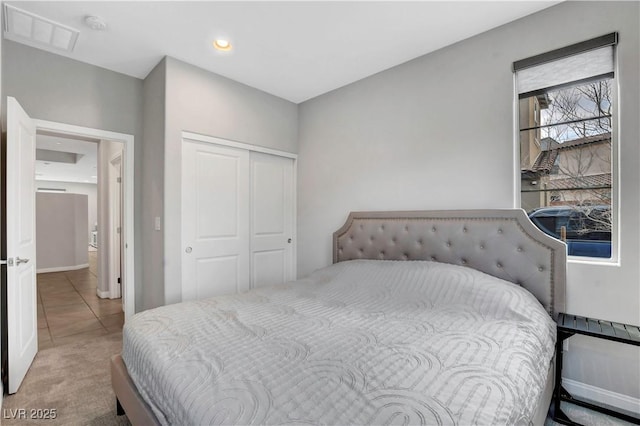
[(269, 267), (217, 275), (217, 191), (215, 214), (271, 219)]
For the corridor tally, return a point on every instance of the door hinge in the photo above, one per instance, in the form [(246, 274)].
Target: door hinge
[(119, 282), (118, 230), (119, 180)]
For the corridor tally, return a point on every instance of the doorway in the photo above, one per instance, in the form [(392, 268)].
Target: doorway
[(19, 323), (78, 264), (125, 187)]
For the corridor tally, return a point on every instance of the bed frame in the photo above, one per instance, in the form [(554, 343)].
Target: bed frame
[(502, 243)]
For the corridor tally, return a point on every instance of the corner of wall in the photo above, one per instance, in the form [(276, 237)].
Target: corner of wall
[(150, 293)]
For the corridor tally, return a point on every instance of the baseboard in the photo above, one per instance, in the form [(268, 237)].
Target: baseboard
[(603, 396), (62, 268), (103, 294)]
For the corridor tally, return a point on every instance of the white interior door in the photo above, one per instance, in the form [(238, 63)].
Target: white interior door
[(22, 323), (271, 219), (215, 217)]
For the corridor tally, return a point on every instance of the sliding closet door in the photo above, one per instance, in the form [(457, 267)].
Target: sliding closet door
[(215, 218), (271, 219)]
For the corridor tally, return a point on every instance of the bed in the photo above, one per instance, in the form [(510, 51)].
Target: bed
[(425, 317)]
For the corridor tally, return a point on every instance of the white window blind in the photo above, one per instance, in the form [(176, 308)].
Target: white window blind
[(576, 63), (562, 71)]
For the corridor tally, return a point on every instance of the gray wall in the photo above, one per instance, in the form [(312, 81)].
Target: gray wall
[(438, 132), (55, 88), (201, 102), (151, 292), (176, 97), (61, 231)]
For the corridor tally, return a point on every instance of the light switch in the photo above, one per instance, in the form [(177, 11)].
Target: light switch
[(157, 223)]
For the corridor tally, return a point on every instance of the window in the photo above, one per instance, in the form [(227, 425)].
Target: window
[(566, 138)]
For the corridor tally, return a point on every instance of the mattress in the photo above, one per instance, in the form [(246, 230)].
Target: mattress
[(359, 342)]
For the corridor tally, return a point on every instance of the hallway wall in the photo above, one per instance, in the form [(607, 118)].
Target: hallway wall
[(61, 231)]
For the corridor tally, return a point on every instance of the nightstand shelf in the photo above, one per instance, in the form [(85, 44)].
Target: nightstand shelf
[(568, 325)]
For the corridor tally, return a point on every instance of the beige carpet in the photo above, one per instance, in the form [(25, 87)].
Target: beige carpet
[(75, 380)]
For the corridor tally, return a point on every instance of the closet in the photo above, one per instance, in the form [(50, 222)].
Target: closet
[(238, 214)]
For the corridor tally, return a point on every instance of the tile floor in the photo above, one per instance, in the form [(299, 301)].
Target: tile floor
[(69, 309)]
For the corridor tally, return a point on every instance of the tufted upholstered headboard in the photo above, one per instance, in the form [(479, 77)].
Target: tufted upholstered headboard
[(502, 243)]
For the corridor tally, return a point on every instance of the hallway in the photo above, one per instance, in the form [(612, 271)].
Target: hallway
[(69, 309)]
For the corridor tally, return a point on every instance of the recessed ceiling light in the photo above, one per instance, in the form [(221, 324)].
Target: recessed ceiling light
[(222, 44)]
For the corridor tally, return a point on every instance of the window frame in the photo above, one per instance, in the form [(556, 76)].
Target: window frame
[(614, 260)]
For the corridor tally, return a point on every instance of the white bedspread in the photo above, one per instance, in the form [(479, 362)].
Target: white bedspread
[(360, 342)]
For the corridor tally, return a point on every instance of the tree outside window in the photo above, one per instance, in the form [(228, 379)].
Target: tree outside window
[(565, 161)]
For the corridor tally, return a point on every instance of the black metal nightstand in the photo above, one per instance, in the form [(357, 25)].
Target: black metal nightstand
[(568, 325)]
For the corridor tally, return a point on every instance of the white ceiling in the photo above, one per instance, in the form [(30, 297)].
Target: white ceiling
[(294, 50), (83, 171)]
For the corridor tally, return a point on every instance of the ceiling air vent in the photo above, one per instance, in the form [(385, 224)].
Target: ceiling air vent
[(33, 30)]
